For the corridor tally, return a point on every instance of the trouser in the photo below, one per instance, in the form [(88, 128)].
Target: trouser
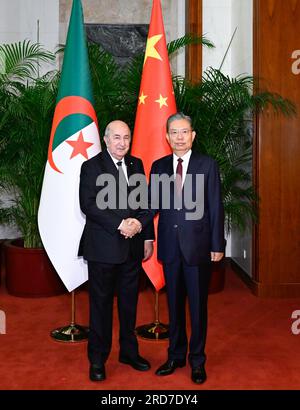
[(192, 281), (102, 281)]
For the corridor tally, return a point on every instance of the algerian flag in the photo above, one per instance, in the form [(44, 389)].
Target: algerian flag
[(74, 139)]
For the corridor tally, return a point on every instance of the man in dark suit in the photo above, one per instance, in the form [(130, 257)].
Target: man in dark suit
[(189, 238), (114, 244)]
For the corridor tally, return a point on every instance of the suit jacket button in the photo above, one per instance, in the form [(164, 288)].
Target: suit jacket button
[(175, 226)]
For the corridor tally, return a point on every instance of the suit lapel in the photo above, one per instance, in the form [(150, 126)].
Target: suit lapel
[(192, 167), (170, 172), (192, 171), (109, 164), (111, 168), (129, 166), (169, 168)]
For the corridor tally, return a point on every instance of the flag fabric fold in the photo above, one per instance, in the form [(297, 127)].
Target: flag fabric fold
[(74, 139), (155, 104)]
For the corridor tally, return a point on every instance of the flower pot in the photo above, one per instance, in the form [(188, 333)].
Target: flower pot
[(217, 281), (29, 272)]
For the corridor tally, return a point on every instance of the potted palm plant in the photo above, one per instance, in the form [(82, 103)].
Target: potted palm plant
[(26, 111)]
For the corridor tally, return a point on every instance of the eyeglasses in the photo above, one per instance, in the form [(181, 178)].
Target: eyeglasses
[(183, 131)]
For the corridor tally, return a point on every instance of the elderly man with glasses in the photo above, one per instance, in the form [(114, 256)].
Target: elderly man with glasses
[(187, 243)]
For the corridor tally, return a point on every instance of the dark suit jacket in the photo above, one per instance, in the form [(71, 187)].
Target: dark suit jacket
[(101, 240), (197, 238)]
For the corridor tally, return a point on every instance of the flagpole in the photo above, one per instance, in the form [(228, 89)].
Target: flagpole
[(60, 219), (155, 330), (73, 332), (156, 102)]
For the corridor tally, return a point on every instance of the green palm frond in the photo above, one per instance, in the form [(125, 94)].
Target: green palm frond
[(186, 40), (279, 104), (22, 59)]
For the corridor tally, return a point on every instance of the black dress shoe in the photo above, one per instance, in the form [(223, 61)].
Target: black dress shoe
[(199, 374), (138, 363), (97, 373), (169, 367)]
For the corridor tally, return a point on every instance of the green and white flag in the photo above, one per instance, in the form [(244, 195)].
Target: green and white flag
[(74, 139)]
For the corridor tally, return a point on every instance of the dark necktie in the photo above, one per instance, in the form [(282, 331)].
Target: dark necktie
[(122, 178), (178, 178), (123, 203)]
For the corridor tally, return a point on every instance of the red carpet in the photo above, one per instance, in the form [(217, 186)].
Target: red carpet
[(250, 345)]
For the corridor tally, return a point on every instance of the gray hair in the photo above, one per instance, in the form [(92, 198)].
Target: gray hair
[(179, 116), (107, 131)]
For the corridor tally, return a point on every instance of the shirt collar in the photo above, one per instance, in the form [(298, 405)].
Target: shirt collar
[(185, 157), (116, 160)]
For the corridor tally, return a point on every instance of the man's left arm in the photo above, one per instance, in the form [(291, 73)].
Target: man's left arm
[(148, 229), (216, 212), (147, 232)]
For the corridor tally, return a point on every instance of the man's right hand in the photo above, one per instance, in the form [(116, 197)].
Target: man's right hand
[(130, 227), (216, 256)]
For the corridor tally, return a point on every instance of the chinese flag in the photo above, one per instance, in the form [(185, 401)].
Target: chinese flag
[(156, 103)]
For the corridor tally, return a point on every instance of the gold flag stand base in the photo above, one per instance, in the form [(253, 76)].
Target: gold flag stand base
[(73, 332), (154, 330)]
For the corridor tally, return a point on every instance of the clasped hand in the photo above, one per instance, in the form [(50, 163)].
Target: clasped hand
[(130, 227)]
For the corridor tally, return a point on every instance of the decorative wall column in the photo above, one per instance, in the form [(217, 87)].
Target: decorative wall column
[(276, 257)]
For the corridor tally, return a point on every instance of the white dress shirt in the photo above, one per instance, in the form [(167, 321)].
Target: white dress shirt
[(124, 168), (185, 163)]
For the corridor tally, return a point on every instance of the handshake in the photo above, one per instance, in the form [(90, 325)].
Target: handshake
[(130, 227)]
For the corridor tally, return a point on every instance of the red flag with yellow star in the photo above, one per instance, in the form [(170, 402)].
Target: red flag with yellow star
[(156, 103)]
